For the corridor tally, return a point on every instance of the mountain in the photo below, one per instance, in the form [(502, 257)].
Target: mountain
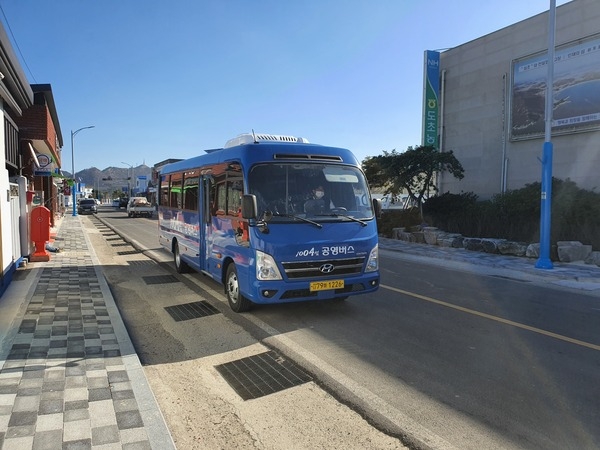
[(112, 178)]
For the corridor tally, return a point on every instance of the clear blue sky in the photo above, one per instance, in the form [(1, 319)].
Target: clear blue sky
[(166, 79)]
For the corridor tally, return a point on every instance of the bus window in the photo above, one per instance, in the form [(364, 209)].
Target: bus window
[(190, 191), (176, 191), (221, 199), (234, 198), (164, 190)]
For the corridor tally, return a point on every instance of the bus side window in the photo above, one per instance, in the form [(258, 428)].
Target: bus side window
[(164, 190), (221, 199)]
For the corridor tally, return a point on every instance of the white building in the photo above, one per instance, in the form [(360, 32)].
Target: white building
[(491, 111)]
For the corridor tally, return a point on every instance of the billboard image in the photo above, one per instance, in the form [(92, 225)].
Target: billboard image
[(576, 91)]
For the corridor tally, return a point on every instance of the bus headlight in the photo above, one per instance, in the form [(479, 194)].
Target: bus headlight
[(266, 269), (373, 261)]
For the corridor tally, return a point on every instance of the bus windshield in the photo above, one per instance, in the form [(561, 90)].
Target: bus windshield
[(319, 192)]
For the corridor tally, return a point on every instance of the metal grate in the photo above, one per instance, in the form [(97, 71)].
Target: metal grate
[(142, 263), (120, 244), (160, 279), (129, 252), (262, 374), (189, 311)]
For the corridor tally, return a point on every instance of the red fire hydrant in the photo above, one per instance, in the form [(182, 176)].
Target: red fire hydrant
[(40, 232)]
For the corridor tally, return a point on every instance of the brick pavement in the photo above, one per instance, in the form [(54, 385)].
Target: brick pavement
[(69, 376)]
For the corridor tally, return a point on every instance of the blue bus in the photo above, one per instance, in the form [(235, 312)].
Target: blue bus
[(273, 218)]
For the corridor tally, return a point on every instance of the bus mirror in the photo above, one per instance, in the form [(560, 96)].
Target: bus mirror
[(377, 207), (249, 206)]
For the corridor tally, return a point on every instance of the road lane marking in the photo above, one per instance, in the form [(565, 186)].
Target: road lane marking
[(494, 318)]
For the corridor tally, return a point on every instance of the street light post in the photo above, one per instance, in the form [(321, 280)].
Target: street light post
[(130, 178), (73, 133)]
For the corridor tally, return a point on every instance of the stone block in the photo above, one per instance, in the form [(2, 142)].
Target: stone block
[(396, 232), (405, 236), (512, 248), (533, 250), (473, 244), (593, 258), (490, 245), (419, 237), (569, 251), (451, 240)]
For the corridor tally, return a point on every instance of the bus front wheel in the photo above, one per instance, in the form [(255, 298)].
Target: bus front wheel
[(180, 265), (237, 301)]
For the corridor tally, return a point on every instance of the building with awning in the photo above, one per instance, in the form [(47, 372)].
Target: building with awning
[(31, 159)]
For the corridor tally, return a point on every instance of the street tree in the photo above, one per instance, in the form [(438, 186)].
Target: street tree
[(413, 171)]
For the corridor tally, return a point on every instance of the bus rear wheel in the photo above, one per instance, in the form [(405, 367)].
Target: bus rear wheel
[(237, 302), (180, 265)]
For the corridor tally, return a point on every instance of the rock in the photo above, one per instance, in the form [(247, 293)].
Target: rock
[(431, 235), (569, 251), (533, 250), (396, 232), (419, 237), (512, 248), (593, 258), (473, 244), (405, 236), (490, 245), (451, 240)]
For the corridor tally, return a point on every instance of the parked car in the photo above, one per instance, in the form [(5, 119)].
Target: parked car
[(87, 206)]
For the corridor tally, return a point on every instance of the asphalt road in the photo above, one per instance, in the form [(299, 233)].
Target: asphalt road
[(454, 357)]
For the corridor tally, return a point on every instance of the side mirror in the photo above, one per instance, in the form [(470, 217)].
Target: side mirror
[(249, 206), (377, 207)]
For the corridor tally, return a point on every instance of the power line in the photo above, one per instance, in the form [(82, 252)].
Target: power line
[(17, 45)]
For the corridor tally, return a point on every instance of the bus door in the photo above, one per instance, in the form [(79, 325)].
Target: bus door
[(204, 220)]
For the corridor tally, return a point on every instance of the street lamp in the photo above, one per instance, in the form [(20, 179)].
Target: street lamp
[(130, 178), (73, 133)]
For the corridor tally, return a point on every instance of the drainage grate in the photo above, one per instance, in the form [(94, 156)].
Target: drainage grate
[(142, 263), (129, 252), (160, 279), (191, 311), (263, 374), (120, 244)]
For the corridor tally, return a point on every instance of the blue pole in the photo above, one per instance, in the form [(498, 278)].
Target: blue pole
[(544, 261), (74, 187)]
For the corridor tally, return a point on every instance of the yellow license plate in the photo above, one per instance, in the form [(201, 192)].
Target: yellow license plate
[(326, 285)]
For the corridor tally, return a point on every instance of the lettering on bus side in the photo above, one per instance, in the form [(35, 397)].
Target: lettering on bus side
[(327, 250)]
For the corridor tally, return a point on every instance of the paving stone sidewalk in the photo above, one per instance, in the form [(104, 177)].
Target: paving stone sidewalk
[(70, 377)]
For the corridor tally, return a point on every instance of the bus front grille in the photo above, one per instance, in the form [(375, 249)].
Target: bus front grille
[(323, 268)]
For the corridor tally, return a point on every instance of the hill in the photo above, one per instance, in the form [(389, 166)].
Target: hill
[(111, 178)]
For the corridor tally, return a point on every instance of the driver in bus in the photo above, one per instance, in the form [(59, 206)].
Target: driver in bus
[(319, 203)]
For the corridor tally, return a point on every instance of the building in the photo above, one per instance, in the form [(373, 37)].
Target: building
[(32, 141), (492, 97)]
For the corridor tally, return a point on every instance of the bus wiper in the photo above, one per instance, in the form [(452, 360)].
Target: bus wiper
[(303, 219), (354, 219)]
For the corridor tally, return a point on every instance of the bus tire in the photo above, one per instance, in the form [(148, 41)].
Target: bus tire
[(237, 302), (180, 265)]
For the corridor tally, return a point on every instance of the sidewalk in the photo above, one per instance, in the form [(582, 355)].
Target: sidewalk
[(572, 275), (69, 375)]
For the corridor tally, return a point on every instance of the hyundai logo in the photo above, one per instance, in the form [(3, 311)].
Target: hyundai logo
[(327, 268)]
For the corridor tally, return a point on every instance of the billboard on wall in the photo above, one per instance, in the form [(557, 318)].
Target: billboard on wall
[(431, 97), (576, 91)]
